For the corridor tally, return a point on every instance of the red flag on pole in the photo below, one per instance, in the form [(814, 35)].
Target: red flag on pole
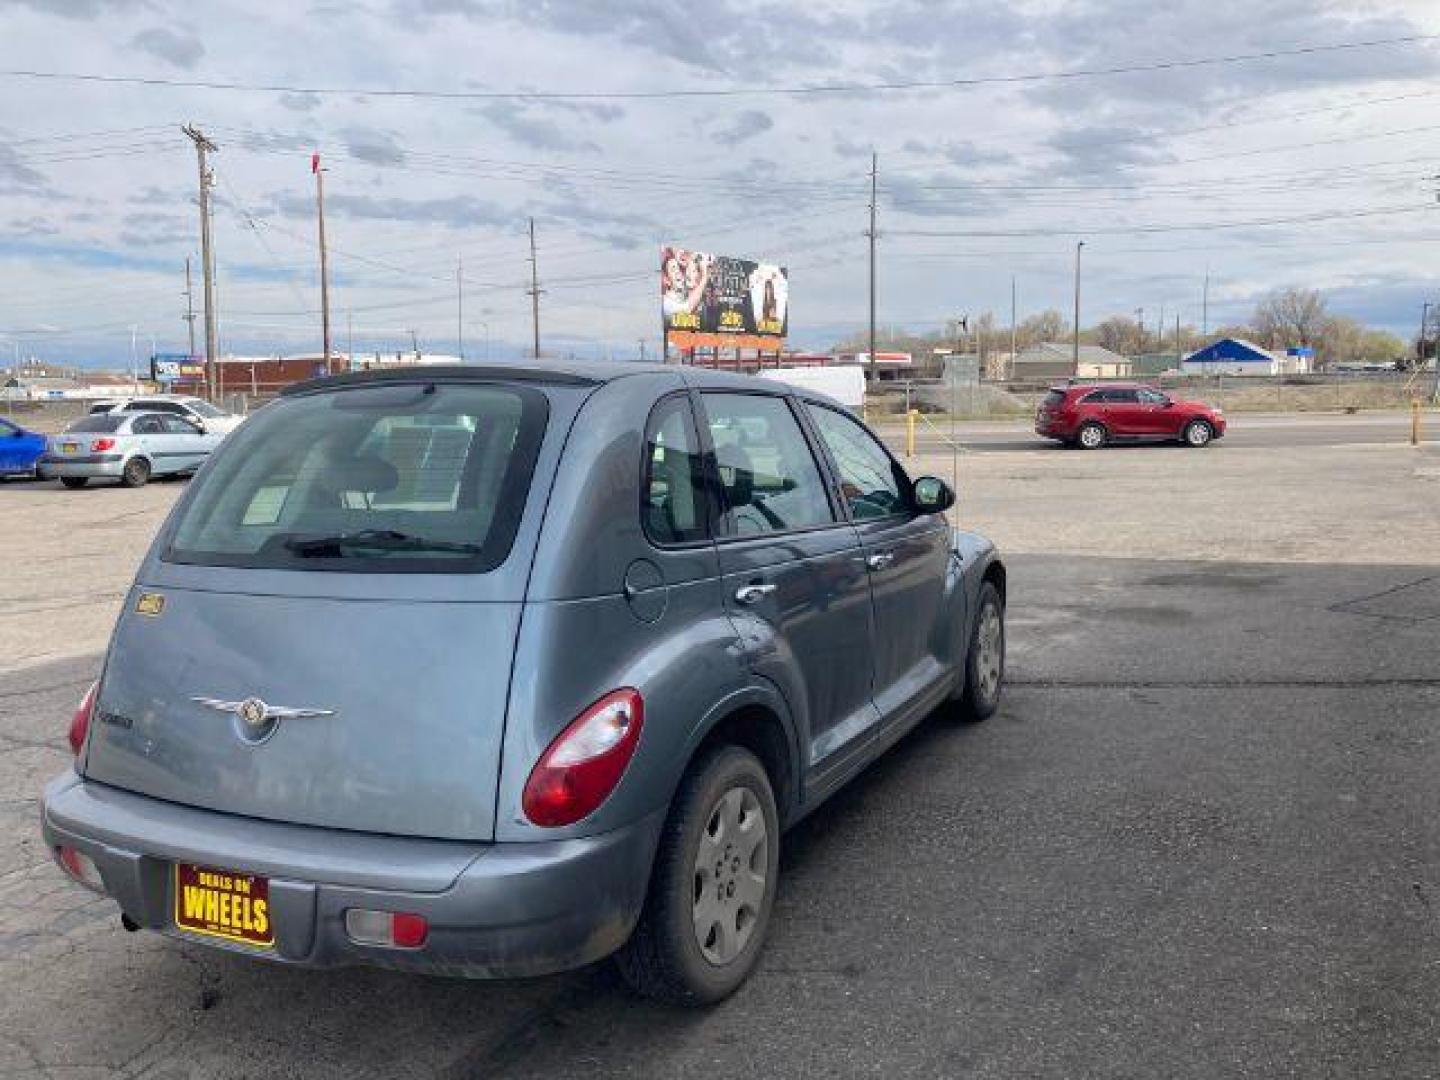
[(315, 163)]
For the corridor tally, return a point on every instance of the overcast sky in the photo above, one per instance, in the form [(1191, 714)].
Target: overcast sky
[(977, 183)]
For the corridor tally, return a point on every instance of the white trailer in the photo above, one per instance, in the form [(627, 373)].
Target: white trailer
[(845, 384)]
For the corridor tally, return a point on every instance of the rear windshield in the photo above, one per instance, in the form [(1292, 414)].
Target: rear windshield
[(1054, 397), (97, 422), (401, 478)]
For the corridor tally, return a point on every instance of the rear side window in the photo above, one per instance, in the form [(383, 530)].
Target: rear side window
[(147, 425), (768, 475), (399, 478), (869, 480), (672, 499), (97, 422), (1054, 398)]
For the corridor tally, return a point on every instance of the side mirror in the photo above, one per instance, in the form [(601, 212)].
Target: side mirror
[(198, 425), (931, 495)]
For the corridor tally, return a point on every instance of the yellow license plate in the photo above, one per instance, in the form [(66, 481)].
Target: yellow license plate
[(224, 904)]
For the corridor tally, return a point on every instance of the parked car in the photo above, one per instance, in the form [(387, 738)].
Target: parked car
[(20, 449), (127, 446), (496, 671), (1089, 416), (210, 418)]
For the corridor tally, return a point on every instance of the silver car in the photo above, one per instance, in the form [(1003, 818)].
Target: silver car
[(126, 446), (500, 671)]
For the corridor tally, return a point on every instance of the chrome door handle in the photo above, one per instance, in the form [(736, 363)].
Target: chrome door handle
[(880, 560), (752, 594)]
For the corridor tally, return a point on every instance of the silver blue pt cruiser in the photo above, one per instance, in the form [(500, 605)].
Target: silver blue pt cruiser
[(497, 671)]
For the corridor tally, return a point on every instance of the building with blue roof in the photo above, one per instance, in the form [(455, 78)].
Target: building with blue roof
[(1236, 356)]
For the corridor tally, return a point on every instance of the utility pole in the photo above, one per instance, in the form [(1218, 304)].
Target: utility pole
[(1160, 331), (1075, 346), (349, 340), (204, 146), (642, 350), (1424, 326), (1178, 348), (1140, 322), (460, 305), (1012, 325), (874, 174), (1205, 309), (189, 307), (324, 261), (534, 290)]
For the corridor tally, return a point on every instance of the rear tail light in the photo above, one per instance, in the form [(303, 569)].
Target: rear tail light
[(97, 445), (80, 867), (80, 722), (393, 929), (585, 762)]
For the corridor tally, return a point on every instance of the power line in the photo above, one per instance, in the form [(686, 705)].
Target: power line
[(1125, 230), (720, 92)]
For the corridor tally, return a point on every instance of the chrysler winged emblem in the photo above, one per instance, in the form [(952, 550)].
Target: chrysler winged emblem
[(255, 714)]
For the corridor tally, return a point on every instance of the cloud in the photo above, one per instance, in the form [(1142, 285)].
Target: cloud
[(1094, 152), (301, 102), (522, 122), (746, 125), (177, 47), (964, 154), (455, 211), (77, 9), (17, 178), (32, 226), (372, 146)]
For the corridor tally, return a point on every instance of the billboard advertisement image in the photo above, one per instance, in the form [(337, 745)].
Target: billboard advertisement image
[(701, 293)]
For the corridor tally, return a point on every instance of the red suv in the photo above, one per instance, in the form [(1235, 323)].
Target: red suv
[(1089, 416)]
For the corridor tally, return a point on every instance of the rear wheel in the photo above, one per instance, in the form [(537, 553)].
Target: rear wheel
[(713, 885), (135, 473), (74, 483), (1197, 433), (1090, 436)]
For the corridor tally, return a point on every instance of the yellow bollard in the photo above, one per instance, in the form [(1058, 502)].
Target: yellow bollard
[(910, 433), (1414, 421)]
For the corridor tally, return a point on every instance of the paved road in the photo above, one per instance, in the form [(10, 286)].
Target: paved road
[(1245, 431), (1199, 840)]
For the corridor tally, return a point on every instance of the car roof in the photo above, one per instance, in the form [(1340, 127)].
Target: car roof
[(553, 372)]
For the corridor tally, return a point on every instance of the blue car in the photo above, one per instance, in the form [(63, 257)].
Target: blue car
[(20, 449)]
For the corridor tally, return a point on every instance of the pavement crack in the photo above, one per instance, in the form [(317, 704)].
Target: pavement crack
[(1296, 683)]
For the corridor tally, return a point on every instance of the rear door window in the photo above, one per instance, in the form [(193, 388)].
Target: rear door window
[(672, 499), (395, 478), (1123, 397), (768, 476)]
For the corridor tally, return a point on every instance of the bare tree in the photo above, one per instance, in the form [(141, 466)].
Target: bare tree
[(1118, 334), (1046, 326), (1291, 317)]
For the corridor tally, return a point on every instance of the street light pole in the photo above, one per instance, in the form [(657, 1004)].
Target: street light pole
[(1075, 346)]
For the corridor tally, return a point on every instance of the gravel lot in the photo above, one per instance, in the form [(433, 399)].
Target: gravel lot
[(1200, 839)]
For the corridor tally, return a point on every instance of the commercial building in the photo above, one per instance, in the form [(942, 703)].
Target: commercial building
[(1236, 356), (1056, 360)]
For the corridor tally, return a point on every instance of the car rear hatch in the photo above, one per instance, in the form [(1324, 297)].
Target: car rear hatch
[(324, 631)]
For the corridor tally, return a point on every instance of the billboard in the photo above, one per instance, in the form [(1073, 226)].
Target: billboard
[(701, 293), (174, 367)]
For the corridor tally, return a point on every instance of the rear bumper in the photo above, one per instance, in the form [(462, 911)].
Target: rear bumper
[(52, 468), (494, 910)]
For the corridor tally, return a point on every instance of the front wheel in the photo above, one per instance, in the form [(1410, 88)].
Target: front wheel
[(713, 885), (1197, 433), (985, 661)]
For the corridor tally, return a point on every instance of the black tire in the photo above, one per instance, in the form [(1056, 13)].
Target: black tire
[(1093, 431), (135, 473), (74, 483), (663, 958), (1197, 434), (979, 697)]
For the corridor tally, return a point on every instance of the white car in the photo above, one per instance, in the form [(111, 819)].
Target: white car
[(213, 420)]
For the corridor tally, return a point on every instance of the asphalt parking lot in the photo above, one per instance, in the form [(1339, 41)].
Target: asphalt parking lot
[(1199, 839)]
